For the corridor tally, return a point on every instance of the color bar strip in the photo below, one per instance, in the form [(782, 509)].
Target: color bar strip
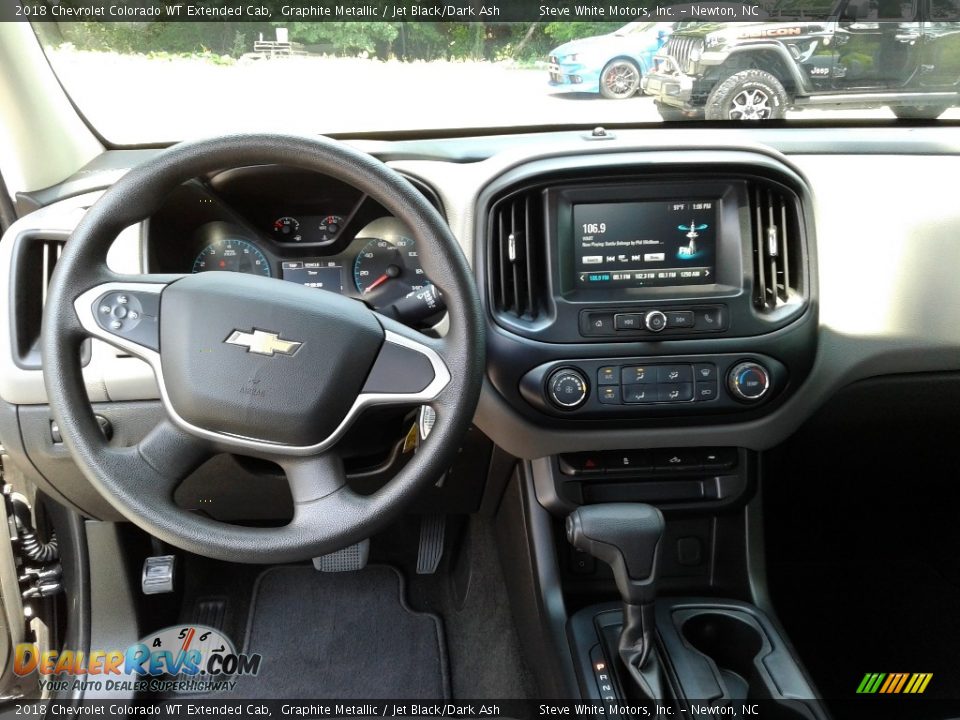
[(903, 679)]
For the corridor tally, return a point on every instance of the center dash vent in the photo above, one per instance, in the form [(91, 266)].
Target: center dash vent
[(777, 247), (515, 231)]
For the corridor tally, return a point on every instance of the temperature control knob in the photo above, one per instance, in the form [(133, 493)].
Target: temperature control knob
[(748, 381), (655, 321), (567, 388)]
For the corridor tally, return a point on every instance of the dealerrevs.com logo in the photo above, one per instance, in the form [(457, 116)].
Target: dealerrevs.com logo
[(894, 683), (182, 658)]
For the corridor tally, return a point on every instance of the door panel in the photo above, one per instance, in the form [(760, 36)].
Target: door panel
[(940, 63), (878, 45)]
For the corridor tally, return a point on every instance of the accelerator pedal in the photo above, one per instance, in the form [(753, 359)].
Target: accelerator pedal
[(433, 528)]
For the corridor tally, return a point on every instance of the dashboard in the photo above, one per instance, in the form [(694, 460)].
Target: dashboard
[(299, 227), (635, 293)]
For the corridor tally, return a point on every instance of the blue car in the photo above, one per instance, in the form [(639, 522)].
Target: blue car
[(612, 64)]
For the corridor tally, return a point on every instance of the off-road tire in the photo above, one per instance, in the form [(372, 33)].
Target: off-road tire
[(758, 94), (629, 73), (919, 112)]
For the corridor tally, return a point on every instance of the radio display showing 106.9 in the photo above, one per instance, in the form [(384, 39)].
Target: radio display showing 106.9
[(232, 256), (388, 270)]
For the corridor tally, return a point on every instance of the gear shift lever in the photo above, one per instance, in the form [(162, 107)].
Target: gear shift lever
[(627, 536)]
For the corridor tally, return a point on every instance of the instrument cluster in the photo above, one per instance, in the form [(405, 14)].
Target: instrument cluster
[(297, 227)]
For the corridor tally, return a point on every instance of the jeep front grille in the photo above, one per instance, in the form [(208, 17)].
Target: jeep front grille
[(680, 48)]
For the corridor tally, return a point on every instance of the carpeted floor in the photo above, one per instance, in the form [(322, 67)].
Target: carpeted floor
[(341, 635)]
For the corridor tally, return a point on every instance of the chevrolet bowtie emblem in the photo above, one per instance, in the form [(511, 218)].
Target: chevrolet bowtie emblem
[(263, 343)]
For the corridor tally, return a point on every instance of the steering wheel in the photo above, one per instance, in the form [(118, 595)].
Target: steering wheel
[(257, 366)]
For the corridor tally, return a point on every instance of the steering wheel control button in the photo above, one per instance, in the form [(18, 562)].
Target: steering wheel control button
[(609, 394), (130, 315), (628, 321), (655, 321), (748, 381), (567, 388)]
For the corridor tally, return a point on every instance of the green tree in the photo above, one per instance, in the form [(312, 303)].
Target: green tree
[(561, 32), (346, 37)]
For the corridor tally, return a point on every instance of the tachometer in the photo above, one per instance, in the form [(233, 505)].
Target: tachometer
[(233, 256), (386, 270)]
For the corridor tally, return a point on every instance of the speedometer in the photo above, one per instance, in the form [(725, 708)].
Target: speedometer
[(386, 270), (232, 256)]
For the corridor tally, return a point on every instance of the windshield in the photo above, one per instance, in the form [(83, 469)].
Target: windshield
[(160, 81)]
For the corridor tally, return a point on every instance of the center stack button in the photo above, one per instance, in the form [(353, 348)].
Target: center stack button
[(655, 321)]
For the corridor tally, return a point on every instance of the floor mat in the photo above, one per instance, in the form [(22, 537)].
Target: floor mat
[(341, 635)]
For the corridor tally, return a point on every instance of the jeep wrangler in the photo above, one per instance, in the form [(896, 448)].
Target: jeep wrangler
[(904, 55)]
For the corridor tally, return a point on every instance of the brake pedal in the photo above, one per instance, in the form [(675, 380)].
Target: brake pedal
[(348, 559), (433, 528)]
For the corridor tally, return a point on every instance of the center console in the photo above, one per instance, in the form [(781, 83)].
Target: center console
[(654, 295)]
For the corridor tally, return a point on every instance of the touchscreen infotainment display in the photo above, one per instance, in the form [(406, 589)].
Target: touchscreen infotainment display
[(658, 243)]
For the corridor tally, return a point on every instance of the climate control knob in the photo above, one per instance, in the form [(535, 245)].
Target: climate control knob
[(655, 321), (567, 388), (748, 381)]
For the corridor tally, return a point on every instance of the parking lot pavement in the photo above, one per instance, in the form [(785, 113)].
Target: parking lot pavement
[(133, 98)]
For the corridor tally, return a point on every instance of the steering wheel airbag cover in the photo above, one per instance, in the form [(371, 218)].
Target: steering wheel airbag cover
[(220, 374)]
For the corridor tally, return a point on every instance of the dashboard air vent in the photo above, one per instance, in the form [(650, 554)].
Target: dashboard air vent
[(777, 247), (34, 264), (516, 236)]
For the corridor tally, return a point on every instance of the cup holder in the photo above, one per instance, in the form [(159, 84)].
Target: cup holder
[(733, 644)]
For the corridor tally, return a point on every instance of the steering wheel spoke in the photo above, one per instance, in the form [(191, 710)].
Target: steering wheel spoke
[(126, 314), (409, 369), (172, 453), (314, 478), (158, 463)]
